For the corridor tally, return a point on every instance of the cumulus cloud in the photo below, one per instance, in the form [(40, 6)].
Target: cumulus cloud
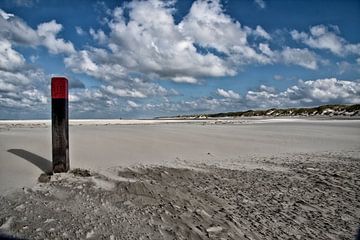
[(9, 58), (166, 50), (291, 56), (205, 43), (301, 57), (312, 92), (95, 63), (227, 94), (323, 37), (259, 31), (5, 15), (98, 35), (144, 38), (209, 26), (304, 93), (124, 92), (47, 33), (17, 31), (23, 92), (133, 104)]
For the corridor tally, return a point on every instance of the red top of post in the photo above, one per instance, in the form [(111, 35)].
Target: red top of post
[(59, 87)]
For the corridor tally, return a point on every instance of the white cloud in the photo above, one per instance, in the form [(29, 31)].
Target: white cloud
[(47, 33), (35, 96), (6, 87), (205, 43), (124, 92), (133, 104), (169, 50), (94, 63), (23, 90), (228, 94), (17, 31), (5, 15), (33, 58), (98, 35), (166, 50), (294, 56), (267, 88), (207, 25), (328, 89), (260, 3), (301, 57), (323, 37), (259, 31), (9, 58), (79, 31), (184, 79), (312, 92)]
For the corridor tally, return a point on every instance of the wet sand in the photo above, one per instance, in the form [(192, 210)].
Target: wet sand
[(244, 180)]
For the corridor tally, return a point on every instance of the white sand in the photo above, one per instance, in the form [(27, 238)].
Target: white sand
[(99, 145), (228, 179)]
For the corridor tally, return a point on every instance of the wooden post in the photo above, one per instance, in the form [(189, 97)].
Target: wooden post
[(60, 124)]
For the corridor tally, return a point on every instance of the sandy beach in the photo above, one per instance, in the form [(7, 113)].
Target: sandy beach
[(208, 179)]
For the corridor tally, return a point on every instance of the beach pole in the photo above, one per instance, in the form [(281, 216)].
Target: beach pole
[(60, 124)]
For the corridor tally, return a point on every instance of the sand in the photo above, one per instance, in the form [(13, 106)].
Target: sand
[(262, 179)]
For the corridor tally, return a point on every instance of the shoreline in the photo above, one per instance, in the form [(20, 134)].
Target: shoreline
[(225, 120)]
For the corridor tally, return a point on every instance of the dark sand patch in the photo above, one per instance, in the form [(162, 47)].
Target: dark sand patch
[(313, 200)]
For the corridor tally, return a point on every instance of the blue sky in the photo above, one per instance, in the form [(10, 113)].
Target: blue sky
[(142, 59)]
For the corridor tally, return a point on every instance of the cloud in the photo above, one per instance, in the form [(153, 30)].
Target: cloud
[(10, 59), (278, 77), (79, 31), (166, 48), (228, 94), (293, 56), (133, 104), (301, 57), (124, 92), (98, 35), (205, 43), (23, 92), (323, 37), (267, 88), (5, 15), (17, 31), (207, 25), (96, 63), (308, 93), (260, 3), (259, 31), (47, 33)]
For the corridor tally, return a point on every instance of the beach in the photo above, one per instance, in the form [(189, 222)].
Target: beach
[(179, 179)]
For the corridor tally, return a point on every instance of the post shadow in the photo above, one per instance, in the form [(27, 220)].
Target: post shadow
[(42, 163)]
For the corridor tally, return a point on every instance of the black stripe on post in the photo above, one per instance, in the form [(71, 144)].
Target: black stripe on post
[(60, 124)]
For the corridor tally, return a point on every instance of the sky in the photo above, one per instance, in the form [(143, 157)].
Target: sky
[(143, 59)]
